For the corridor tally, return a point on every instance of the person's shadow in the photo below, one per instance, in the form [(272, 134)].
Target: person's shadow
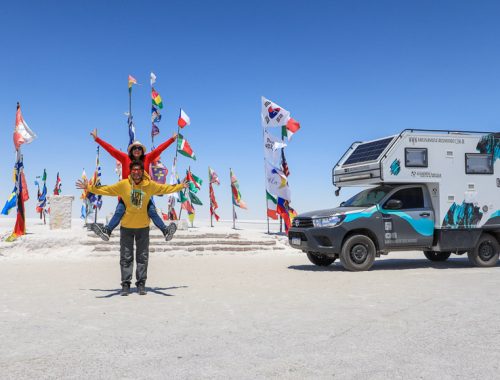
[(155, 290)]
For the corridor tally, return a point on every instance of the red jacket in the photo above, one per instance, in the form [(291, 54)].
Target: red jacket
[(125, 159)]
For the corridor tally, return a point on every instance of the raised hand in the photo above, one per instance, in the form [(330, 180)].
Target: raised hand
[(94, 133), (82, 184)]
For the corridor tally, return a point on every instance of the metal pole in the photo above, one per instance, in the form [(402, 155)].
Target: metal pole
[(210, 190), (232, 198), (265, 182)]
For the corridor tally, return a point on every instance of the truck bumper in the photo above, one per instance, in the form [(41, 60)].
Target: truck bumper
[(325, 240)]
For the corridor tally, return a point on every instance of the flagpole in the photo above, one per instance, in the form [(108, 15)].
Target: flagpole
[(232, 198), (282, 139), (175, 159), (209, 197), (265, 182), (95, 215)]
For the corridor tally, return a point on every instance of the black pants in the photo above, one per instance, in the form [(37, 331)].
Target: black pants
[(127, 237)]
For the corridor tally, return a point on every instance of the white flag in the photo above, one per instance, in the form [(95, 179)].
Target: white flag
[(272, 146), (153, 79), (272, 115), (276, 182)]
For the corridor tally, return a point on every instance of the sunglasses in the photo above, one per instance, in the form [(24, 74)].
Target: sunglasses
[(136, 147)]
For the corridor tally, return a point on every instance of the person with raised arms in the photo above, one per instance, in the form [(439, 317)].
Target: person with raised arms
[(135, 192), (135, 151)]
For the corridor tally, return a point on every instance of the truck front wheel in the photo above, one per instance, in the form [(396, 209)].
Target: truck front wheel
[(437, 256), (358, 253), (319, 259), (485, 253)]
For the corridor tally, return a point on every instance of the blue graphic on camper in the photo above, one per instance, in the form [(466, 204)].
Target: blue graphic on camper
[(423, 226), (362, 214), (395, 167), (465, 215), (490, 144)]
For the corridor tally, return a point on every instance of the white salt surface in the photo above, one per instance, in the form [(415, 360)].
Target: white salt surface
[(241, 315)]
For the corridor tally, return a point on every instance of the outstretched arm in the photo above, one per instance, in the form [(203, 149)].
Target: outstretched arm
[(112, 190), (154, 154), (117, 154), (168, 189)]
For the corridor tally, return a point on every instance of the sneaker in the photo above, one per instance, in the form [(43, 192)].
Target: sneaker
[(103, 232), (141, 289), (169, 231), (125, 289)]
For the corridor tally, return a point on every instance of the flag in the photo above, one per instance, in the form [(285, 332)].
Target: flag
[(235, 190), (155, 130), (276, 182), (11, 202), (271, 206), (184, 148), (184, 119), (155, 114), (213, 202), (57, 187), (272, 115), (282, 210), (131, 81), (272, 146), (20, 227), (212, 175), (42, 195), (22, 133), (197, 181), (194, 199), (158, 172), (131, 130), (156, 99), (291, 127), (152, 79), (191, 216), (185, 204), (284, 164)]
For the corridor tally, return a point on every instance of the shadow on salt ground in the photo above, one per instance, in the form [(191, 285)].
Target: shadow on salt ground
[(393, 264), (155, 290)]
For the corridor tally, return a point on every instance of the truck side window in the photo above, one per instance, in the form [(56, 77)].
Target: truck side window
[(412, 197)]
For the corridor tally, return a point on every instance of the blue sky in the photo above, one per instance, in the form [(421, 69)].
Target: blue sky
[(347, 70)]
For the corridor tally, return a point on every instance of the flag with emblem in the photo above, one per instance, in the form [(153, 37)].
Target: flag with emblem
[(273, 115)]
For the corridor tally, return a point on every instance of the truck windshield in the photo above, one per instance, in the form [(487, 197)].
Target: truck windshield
[(368, 197)]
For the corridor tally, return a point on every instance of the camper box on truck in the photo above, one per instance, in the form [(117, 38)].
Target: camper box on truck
[(434, 191)]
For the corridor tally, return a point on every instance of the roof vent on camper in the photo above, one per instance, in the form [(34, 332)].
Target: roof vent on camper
[(369, 151), (451, 198), (470, 186), (449, 153)]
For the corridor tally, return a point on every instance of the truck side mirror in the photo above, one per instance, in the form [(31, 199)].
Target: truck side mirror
[(394, 204)]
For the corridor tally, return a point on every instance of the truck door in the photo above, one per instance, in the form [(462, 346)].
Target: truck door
[(411, 223)]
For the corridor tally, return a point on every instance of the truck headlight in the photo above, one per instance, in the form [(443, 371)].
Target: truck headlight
[(328, 221)]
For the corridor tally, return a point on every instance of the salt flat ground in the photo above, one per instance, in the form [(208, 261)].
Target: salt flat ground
[(248, 315)]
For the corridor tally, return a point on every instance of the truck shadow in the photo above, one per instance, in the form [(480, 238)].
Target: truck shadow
[(394, 264)]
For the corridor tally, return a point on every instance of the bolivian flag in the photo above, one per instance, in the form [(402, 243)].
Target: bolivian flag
[(156, 99)]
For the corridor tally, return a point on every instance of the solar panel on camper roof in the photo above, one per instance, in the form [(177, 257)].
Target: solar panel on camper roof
[(368, 151)]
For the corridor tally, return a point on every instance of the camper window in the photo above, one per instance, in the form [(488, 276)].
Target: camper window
[(416, 157), (478, 163), (412, 197)]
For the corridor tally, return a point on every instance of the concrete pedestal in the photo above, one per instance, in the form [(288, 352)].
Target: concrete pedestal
[(60, 211)]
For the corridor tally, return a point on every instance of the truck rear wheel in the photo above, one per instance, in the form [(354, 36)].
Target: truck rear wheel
[(358, 253), (437, 256), (485, 253), (319, 259)]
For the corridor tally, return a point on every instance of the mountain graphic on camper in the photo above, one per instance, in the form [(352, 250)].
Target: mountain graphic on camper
[(395, 167), (465, 216), (490, 144)]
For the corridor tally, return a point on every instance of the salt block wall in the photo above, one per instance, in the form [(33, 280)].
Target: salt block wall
[(60, 211)]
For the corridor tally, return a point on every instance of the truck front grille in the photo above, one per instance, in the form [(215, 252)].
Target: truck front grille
[(302, 223)]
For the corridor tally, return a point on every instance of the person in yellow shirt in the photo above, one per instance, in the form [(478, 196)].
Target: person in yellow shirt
[(135, 191)]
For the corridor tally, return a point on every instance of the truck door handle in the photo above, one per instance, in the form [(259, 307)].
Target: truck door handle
[(425, 214)]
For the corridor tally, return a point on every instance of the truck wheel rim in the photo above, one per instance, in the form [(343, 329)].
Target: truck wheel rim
[(359, 253), (486, 251)]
